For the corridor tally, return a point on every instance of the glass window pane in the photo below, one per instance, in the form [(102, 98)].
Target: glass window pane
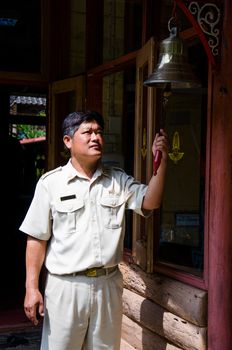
[(122, 27), (77, 37), (119, 114), (182, 214), (112, 111), (20, 36)]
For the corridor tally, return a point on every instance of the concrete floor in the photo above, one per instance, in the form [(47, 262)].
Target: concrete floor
[(28, 339)]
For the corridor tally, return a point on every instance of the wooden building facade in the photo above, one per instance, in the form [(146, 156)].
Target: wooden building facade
[(96, 54)]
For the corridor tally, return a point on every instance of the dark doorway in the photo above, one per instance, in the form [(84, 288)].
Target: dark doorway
[(23, 160)]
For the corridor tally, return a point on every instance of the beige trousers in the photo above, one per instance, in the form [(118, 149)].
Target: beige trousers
[(83, 312)]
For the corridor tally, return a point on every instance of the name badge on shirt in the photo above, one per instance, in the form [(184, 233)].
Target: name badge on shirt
[(66, 198)]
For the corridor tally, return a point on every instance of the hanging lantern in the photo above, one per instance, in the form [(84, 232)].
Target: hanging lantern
[(173, 66)]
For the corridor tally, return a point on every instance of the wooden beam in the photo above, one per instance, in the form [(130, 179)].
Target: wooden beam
[(188, 302), (126, 346), (114, 65), (139, 337), (167, 325)]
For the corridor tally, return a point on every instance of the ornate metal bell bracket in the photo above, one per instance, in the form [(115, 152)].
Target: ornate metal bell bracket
[(205, 18)]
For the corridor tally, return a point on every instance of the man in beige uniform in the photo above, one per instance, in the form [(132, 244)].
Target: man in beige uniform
[(75, 225)]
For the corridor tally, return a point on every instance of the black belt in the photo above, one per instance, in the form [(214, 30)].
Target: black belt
[(94, 272)]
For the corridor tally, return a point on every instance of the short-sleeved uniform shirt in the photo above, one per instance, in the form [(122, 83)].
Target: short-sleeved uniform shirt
[(82, 219)]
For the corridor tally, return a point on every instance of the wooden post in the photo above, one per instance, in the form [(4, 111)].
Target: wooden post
[(220, 205)]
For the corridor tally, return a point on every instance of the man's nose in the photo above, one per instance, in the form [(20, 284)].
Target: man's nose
[(94, 136)]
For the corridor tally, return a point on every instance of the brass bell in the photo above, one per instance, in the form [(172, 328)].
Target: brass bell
[(173, 66)]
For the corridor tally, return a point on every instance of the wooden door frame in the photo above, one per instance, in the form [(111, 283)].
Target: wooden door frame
[(76, 84)]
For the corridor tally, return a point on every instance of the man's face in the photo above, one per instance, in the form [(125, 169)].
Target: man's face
[(86, 142)]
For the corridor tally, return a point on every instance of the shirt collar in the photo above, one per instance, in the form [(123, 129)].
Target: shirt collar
[(71, 172)]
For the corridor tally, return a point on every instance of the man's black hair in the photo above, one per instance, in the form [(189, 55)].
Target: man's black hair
[(73, 120)]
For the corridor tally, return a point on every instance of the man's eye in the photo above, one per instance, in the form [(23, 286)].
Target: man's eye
[(97, 132)]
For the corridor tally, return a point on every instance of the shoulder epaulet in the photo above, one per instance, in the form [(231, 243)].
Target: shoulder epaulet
[(118, 169), (48, 173), (109, 168)]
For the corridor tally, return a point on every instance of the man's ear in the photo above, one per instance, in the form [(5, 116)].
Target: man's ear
[(67, 141)]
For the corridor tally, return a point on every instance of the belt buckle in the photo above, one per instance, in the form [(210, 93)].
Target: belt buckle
[(91, 272)]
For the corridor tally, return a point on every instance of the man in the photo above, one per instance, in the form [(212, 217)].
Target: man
[(75, 224)]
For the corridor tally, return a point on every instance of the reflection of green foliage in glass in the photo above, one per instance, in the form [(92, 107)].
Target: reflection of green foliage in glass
[(41, 113), (40, 165), (30, 131)]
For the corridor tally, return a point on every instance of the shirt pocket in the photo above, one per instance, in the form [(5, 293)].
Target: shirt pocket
[(113, 209), (67, 215)]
